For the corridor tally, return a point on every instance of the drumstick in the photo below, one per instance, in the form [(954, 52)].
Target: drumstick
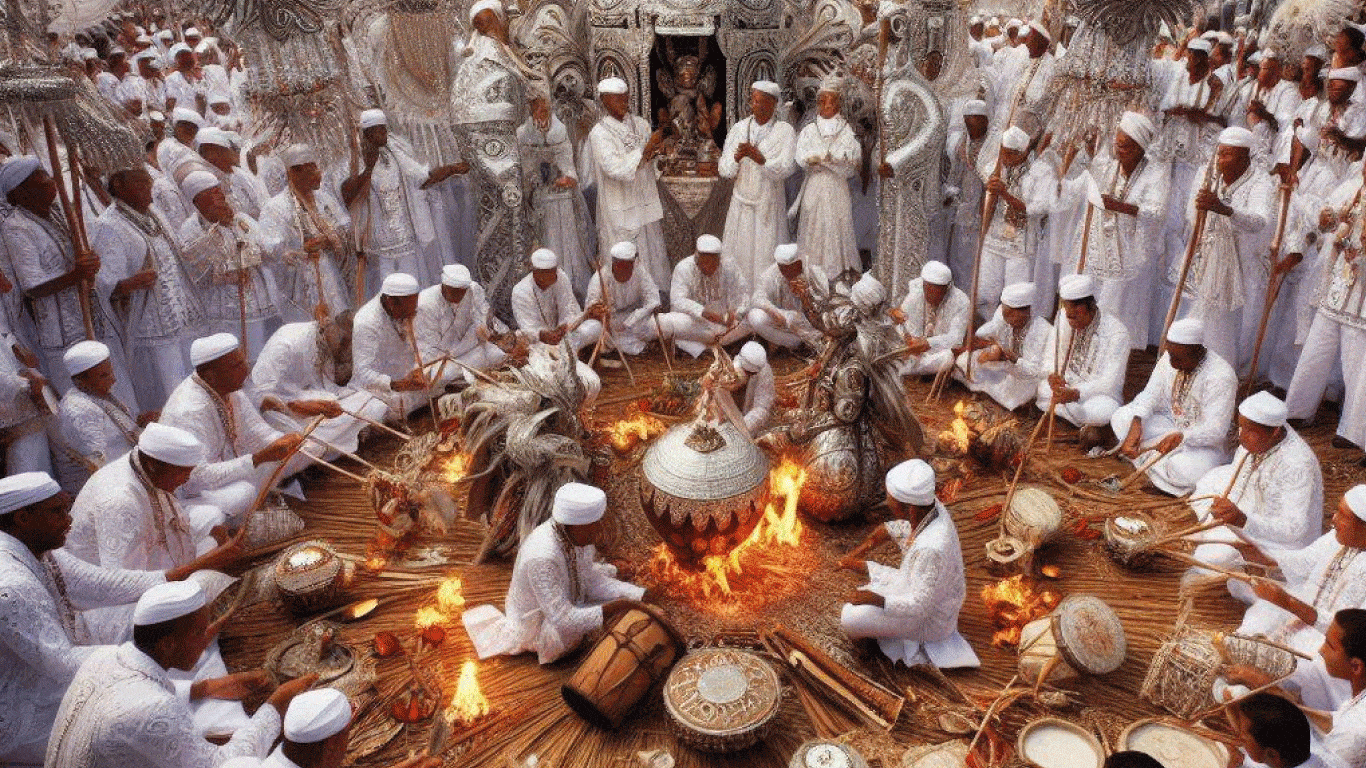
[(334, 467), (347, 454), (380, 424), (275, 476), (1236, 575), (1194, 529), (991, 710), (1140, 471)]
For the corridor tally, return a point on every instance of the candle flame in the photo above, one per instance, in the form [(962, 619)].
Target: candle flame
[(469, 703)]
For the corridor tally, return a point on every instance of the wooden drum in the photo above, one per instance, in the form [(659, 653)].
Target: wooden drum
[(721, 699), (310, 576), (1172, 746), (1081, 636), (1184, 671), (1053, 743), (636, 652), (1033, 516)]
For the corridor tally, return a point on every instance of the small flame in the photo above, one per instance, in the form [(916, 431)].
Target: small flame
[(1013, 603), (450, 596), (456, 467), (469, 703), (627, 433), (428, 616), (957, 438), (375, 563)]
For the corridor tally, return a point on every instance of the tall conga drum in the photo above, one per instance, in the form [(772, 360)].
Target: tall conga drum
[(1081, 636), (637, 651)]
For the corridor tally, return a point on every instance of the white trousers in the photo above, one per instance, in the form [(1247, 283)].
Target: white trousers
[(1181, 469), (790, 337), (631, 338), (928, 362), (158, 369), (998, 379), (1331, 345), (693, 335), (1090, 412)]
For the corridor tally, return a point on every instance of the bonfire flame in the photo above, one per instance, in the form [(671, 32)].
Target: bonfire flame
[(456, 467), (1013, 603), (469, 703), (958, 437), (628, 433), (775, 530), (450, 597)]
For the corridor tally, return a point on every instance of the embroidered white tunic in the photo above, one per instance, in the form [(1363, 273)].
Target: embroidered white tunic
[(1280, 490), (1012, 384), (825, 227), (444, 328), (285, 224), (230, 429), (628, 200), (757, 220), (633, 304)]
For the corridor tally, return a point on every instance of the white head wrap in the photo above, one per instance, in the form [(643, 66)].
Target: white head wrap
[(624, 251), (975, 107), (210, 348), (868, 292), (316, 715), (298, 154), (708, 244), (193, 32), (178, 49), (15, 171), (911, 482), (1018, 295), (171, 445), (544, 258), (787, 253), (1235, 136), (1189, 331), (155, 116), (975, 20), (1041, 29), (1015, 138), (832, 83), (769, 87), (373, 117), (1014, 24), (487, 5), (1199, 45), (399, 284), (578, 504), (168, 602), (1076, 287), (936, 272), (1138, 127), (455, 276), (1345, 73), (219, 97), (1317, 51), (612, 85), (1265, 409), (26, 488), (215, 136), (146, 53), (752, 356), (1356, 501), (183, 115), (84, 355), (197, 182)]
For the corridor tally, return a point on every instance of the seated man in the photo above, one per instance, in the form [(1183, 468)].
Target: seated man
[(97, 427), (296, 379), (1086, 356), (122, 708), (1008, 351), (384, 350), (545, 309), (634, 299), (750, 383), (1344, 658), (317, 728), (453, 319), (1182, 414), (558, 595), (777, 313), (1274, 732), (708, 300), (41, 645), (240, 448), (1270, 498), (933, 319), (912, 610)]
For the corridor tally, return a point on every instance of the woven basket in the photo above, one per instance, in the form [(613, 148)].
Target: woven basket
[(1182, 674)]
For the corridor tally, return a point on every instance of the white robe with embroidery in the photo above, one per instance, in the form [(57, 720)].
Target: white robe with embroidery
[(757, 220), (829, 153)]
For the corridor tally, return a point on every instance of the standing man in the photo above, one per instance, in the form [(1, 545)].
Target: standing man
[(829, 152), (562, 222), (759, 155), (307, 232)]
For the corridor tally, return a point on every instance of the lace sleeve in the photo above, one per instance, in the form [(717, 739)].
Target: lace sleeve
[(920, 572), (90, 586), (548, 582), (31, 630)]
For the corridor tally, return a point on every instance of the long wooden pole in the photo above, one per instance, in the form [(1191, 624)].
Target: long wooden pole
[(1273, 289), (73, 223), (1197, 232), (426, 382)]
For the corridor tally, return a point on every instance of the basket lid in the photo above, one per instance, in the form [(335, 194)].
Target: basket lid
[(1090, 634), (722, 691), (702, 461)]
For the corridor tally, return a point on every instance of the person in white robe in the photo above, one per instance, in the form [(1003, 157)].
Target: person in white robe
[(306, 232), (1026, 191), (912, 610), (544, 307), (1008, 351), (777, 312), (185, 87), (144, 278), (231, 270), (25, 408), (559, 594), (241, 450), (829, 153), (750, 384), (42, 588), (1271, 104), (384, 349), (708, 300), (963, 187), (124, 709), (631, 300), (1344, 658), (1086, 355), (1270, 497), (317, 730), (389, 205), (454, 319), (621, 161), (933, 320), (177, 149), (559, 209), (1120, 202), (96, 426), (1023, 80), (245, 190), (760, 155), (1183, 413)]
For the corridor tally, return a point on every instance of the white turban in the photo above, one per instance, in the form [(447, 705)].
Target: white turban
[(210, 348), (455, 275), (1015, 138), (1265, 409), (624, 251), (1041, 29), (1356, 501), (911, 482), (936, 272), (156, 117), (832, 83), (578, 504), (975, 107), (15, 171), (1014, 24), (146, 53), (1317, 51), (1189, 331), (219, 97), (544, 258), (215, 136), (1138, 127), (193, 32), (752, 356), (1076, 287), (1234, 136), (867, 293), (25, 489), (84, 355), (708, 244), (1199, 45), (974, 21), (787, 253), (1018, 295), (769, 87), (298, 154), (197, 182), (171, 445), (399, 284), (316, 715), (373, 117), (611, 85), (178, 49), (487, 5), (1345, 73), (183, 115), (168, 602)]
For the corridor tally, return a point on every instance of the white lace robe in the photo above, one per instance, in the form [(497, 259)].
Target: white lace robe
[(214, 256), (628, 200), (561, 215), (1010, 384), (1280, 491), (166, 312), (227, 449), (393, 218), (1231, 244), (633, 304), (123, 710), (1099, 358), (757, 220), (772, 294), (825, 227), (97, 430), (542, 613), (40, 647), (284, 225)]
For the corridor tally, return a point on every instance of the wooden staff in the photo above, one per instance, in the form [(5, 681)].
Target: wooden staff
[(347, 454), (663, 347), (73, 220), (1277, 279), (379, 424), (1197, 232), (1062, 367), (607, 326), (426, 382), (275, 476)]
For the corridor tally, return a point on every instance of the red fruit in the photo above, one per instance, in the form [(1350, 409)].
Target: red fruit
[(386, 645), (434, 635)]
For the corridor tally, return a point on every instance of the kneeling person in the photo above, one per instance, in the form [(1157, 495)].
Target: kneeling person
[(1008, 352)]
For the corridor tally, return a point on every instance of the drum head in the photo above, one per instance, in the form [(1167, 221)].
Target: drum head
[(717, 692), (1053, 743), (1089, 634), (1174, 747)]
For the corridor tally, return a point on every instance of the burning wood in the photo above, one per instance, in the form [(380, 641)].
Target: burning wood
[(1013, 603), (628, 433), (450, 596), (456, 468), (469, 703), (956, 440)]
